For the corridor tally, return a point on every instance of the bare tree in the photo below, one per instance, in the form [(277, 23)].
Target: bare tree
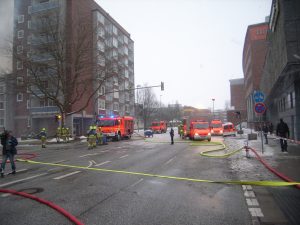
[(148, 101), (60, 63)]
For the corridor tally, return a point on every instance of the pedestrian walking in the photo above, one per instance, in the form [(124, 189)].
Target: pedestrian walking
[(9, 151), (271, 128), (265, 131), (172, 136), (282, 130)]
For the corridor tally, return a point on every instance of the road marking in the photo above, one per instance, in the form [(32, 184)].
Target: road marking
[(139, 181), (256, 212), (247, 187), (252, 202), (266, 183), (170, 160), (66, 175), (17, 181), (89, 155), (105, 151), (249, 194), (5, 195), (100, 164), (124, 156), (91, 163)]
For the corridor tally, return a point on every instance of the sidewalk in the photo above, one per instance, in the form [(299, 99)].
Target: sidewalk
[(286, 199)]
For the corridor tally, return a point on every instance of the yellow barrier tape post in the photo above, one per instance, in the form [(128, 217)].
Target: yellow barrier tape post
[(257, 183)]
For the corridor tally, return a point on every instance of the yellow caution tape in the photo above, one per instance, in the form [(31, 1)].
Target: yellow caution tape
[(257, 183)]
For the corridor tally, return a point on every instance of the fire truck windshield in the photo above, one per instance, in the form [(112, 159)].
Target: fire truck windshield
[(201, 125), (216, 125), (107, 123)]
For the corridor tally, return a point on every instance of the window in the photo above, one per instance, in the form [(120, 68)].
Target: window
[(116, 94), (116, 106), (101, 91), (42, 103), (29, 9), (20, 81), (2, 89), (127, 108), (19, 97), (19, 65), (1, 122), (29, 24), (101, 103), (1, 105), (28, 122), (20, 34), (100, 18), (19, 49), (28, 104), (100, 46), (115, 42), (125, 40), (126, 73), (292, 96), (2, 97), (21, 19), (115, 30)]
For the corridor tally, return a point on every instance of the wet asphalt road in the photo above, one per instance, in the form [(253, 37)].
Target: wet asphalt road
[(98, 197)]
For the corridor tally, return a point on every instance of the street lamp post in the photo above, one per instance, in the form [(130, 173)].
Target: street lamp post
[(213, 100)]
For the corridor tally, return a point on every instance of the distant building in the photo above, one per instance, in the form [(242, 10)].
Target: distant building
[(281, 74), (110, 44), (254, 53)]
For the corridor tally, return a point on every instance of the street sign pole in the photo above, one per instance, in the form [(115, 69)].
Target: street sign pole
[(261, 134)]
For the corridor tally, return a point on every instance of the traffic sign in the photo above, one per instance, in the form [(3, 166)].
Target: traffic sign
[(258, 96), (260, 108)]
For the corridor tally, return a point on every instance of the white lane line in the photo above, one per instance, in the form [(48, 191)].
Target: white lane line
[(249, 194), (89, 155), (170, 160), (256, 212), (124, 156), (247, 187), (252, 202), (5, 195), (91, 163), (139, 181), (105, 151), (66, 175), (27, 178), (100, 164)]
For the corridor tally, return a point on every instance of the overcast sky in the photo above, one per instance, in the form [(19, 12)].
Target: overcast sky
[(194, 46)]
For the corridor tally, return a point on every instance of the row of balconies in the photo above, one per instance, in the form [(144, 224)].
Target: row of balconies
[(40, 7)]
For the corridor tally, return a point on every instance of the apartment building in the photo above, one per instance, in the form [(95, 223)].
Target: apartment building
[(108, 62)]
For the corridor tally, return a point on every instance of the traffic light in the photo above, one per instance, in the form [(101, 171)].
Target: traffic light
[(162, 86)]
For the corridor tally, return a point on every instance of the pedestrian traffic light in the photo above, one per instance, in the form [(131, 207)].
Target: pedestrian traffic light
[(162, 86)]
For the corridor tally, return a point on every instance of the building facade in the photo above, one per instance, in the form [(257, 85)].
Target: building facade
[(254, 53), (108, 45), (281, 78)]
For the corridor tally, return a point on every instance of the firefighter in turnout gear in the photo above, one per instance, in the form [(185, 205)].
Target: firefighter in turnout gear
[(99, 136), (67, 134), (91, 139), (64, 134), (58, 134), (43, 136)]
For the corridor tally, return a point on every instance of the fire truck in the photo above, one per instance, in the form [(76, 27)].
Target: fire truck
[(116, 128), (159, 126), (216, 127), (196, 129)]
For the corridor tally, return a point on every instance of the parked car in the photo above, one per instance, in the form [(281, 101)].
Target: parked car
[(148, 133)]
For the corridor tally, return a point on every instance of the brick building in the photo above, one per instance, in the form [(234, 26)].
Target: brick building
[(254, 53), (107, 43), (281, 77), (238, 112)]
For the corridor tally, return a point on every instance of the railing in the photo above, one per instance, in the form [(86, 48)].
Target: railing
[(44, 6)]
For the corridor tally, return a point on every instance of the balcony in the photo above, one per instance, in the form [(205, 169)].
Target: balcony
[(36, 8), (44, 110), (42, 57)]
